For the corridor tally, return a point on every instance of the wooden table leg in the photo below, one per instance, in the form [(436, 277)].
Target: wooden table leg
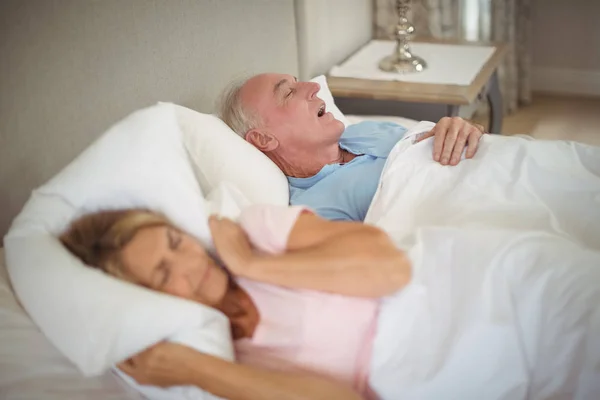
[(452, 110), (494, 98)]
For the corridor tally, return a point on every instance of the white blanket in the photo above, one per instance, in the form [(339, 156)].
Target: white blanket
[(506, 257)]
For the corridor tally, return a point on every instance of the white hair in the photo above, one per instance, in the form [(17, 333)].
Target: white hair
[(231, 110)]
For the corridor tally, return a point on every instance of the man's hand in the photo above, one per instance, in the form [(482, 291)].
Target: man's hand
[(451, 137)]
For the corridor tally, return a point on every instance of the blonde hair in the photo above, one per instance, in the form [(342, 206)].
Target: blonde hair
[(232, 111), (98, 238)]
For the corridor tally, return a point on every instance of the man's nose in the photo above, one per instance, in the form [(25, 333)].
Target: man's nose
[(313, 89)]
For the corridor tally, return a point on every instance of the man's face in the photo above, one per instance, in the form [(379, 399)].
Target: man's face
[(291, 111)]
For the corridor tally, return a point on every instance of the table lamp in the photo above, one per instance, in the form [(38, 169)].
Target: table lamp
[(403, 61)]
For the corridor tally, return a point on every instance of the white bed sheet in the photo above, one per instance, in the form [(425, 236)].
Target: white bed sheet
[(503, 301), (30, 366)]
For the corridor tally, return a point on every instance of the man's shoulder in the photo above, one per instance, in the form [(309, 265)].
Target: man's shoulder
[(345, 194), (376, 138), (371, 127)]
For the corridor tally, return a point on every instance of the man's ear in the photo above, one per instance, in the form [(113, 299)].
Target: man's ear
[(261, 140)]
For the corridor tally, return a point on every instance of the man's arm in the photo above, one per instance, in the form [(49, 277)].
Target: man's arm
[(346, 258)]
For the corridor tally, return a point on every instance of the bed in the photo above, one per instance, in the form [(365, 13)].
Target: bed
[(184, 52)]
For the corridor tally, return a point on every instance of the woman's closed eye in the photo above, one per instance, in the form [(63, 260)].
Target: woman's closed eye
[(290, 93), (165, 274), (174, 239), (161, 275)]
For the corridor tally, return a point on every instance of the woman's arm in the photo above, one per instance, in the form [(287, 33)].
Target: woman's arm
[(169, 364), (310, 230), (347, 258)]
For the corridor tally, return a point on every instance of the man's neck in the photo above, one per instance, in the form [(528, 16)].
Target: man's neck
[(304, 164)]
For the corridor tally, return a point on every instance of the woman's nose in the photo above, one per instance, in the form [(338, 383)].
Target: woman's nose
[(192, 276), (186, 278)]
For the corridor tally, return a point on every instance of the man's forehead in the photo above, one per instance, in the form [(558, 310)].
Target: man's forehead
[(265, 83), (264, 86)]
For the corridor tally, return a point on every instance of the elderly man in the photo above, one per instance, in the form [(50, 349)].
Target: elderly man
[(334, 171)]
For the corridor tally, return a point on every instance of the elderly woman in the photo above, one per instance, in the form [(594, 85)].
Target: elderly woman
[(300, 331)]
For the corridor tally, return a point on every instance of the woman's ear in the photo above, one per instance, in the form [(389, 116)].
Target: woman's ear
[(261, 140)]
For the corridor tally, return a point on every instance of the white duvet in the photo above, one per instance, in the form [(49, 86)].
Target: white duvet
[(505, 298)]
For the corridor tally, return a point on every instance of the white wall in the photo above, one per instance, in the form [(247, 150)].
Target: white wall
[(71, 68), (329, 31), (566, 46)]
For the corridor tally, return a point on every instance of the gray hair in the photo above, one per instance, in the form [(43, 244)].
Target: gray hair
[(232, 111)]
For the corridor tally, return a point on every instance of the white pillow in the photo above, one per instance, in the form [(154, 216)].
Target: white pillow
[(219, 155), (325, 95), (226, 201), (96, 320)]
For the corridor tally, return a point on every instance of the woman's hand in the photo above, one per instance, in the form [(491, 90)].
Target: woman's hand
[(164, 364), (232, 244)]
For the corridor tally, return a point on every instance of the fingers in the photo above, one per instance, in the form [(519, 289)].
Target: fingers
[(217, 222), (479, 127), (130, 368), (224, 230), (459, 146), (125, 367), (450, 140), (137, 367), (213, 224), (214, 219), (440, 130), (452, 135), (473, 142)]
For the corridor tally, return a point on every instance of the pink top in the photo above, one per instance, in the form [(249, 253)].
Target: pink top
[(302, 330)]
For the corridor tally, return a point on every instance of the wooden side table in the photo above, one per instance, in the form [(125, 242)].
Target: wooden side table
[(458, 72)]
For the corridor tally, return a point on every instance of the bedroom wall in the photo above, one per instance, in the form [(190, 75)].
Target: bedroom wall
[(70, 68), (329, 31), (566, 46)]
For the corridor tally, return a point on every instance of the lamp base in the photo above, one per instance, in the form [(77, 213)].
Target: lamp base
[(402, 66)]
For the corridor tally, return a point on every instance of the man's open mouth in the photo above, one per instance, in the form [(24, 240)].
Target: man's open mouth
[(321, 110)]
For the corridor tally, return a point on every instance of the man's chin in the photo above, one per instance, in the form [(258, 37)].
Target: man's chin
[(339, 124), (332, 125)]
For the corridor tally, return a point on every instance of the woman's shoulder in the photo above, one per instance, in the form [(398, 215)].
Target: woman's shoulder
[(272, 212), (268, 226)]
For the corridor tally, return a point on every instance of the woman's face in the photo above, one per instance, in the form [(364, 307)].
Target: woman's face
[(165, 259)]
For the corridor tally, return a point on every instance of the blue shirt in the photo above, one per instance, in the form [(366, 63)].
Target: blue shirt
[(345, 191)]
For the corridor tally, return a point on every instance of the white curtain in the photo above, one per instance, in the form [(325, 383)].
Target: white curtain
[(507, 21)]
